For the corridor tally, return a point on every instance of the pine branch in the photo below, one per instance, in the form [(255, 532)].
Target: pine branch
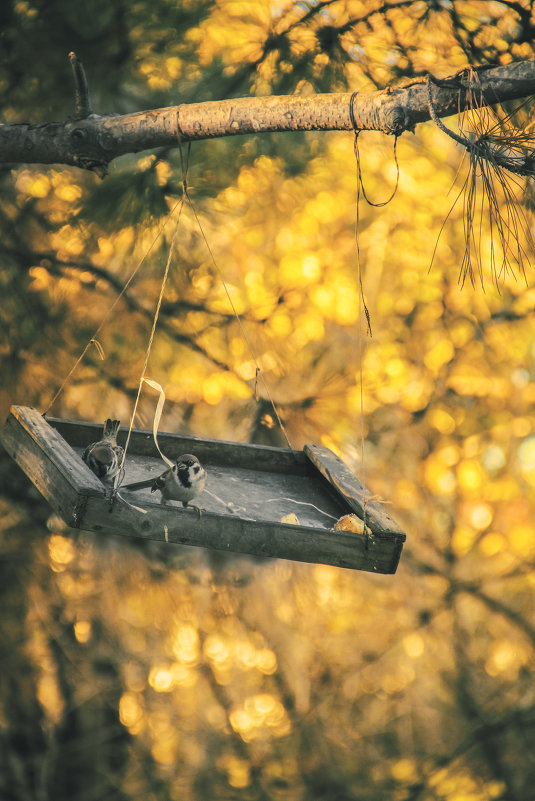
[(93, 141), (82, 107)]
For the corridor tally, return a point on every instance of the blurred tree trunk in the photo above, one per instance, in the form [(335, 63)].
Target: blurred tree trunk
[(88, 747)]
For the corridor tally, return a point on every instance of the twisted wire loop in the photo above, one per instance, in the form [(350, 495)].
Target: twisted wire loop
[(396, 131), (462, 140), (352, 112)]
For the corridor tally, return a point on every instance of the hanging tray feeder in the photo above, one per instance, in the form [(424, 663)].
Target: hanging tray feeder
[(250, 489)]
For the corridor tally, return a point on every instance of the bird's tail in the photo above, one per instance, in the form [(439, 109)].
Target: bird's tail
[(111, 427), (137, 485)]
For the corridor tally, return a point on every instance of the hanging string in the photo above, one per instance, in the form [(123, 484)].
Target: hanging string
[(93, 339), (381, 203), (258, 371), (142, 378), (362, 300), (362, 308), (356, 130)]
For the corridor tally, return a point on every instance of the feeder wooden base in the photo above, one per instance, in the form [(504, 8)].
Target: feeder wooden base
[(249, 490)]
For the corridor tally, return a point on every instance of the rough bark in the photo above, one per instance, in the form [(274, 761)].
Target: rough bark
[(92, 142)]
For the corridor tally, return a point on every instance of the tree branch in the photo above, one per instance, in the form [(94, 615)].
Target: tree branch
[(94, 141), (81, 90)]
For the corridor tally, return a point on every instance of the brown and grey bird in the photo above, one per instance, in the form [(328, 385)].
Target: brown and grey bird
[(181, 482), (105, 456)]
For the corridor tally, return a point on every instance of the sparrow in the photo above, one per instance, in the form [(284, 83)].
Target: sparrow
[(104, 457), (181, 482)]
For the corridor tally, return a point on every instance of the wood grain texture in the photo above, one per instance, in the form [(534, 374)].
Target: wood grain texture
[(350, 488), (174, 524), (246, 493), (50, 463), (249, 490), (94, 141), (209, 451)]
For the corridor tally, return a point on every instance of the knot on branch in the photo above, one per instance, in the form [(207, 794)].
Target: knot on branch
[(390, 119), (88, 145), (396, 120)]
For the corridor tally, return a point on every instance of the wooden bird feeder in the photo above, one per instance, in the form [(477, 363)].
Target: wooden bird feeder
[(250, 489)]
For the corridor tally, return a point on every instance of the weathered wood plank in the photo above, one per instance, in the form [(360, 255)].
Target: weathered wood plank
[(51, 464), (256, 537), (253, 494), (209, 451), (249, 490), (350, 488)]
